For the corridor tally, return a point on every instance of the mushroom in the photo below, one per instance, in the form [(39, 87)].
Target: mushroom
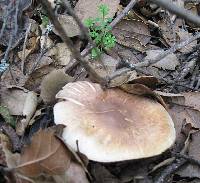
[(111, 125)]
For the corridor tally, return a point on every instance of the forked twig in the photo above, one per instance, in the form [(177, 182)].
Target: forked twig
[(76, 54)]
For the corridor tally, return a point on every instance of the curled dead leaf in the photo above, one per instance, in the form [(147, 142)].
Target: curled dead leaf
[(46, 154)]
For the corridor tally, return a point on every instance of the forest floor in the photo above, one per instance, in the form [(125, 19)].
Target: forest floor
[(152, 49)]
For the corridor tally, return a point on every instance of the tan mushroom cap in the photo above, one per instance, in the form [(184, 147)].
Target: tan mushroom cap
[(112, 125)]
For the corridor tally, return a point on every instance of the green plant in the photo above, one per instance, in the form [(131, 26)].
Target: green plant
[(100, 31), (45, 20)]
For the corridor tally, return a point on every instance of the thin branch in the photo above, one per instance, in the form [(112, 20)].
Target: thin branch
[(24, 47), (78, 21), (157, 59), (181, 12), (123, 13), (190, 159), (76, 54), (170, 170)]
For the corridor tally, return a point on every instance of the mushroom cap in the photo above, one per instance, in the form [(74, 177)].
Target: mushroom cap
[(111, 125)]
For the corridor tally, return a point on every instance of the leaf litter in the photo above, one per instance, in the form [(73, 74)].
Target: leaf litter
[(38, 61)]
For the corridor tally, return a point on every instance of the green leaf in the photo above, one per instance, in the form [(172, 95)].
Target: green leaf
[(103, 9), (95, 52), (4, 112), (100, 31), (89, 22)]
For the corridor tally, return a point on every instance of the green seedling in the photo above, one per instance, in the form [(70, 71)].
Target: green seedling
[(45, 20), (100, 31)]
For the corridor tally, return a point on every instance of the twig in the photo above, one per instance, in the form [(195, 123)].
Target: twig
[(73, 63), (189, 67), (181, 12), (157, 59), (76, 54), (167, 52), (78, 21), (190, 159), (14, 32), (39, 58), (170, 170), (24, 47), (123, 13), (194, 76)]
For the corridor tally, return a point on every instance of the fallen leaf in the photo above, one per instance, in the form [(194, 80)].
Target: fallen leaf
[(52, 83), (31, 46), (5, 7), (170, 62), (89, 8), (132, 34), (74, 174), (168, 31), (69, 24), (29, 109), (101, 174), (148, 81), (63, 55), (184, 35), (192, 99), (191, 170), (46, 154), (14, 99), (139, 89), (4, 112)]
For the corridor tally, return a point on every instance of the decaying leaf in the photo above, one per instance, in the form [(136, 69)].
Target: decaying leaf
[(105, 65), (14, 99), (184, 35), (101, 174), (46, 154), (29, 109), (140, 89), (170, 62), (30, 48), (52, 83), (89, 8), (194, 151), (63, 54), (69, 24), (132, 34), (4, 112), (74, 174)]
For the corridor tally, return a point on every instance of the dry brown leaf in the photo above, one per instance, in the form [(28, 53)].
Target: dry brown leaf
[(14, 99), (184, 35), (69, 24), (46, 154), (31, 46), (14, 76), (192, 170), (74, 174), (132, 34), (52, 83), (127, 54), (167, 30), (101, 174), (63, 55), (192, 99), (170, 62), (89, 8), (139, 89), (105, 65), (34, 81), (29, 109), (149, 81)]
